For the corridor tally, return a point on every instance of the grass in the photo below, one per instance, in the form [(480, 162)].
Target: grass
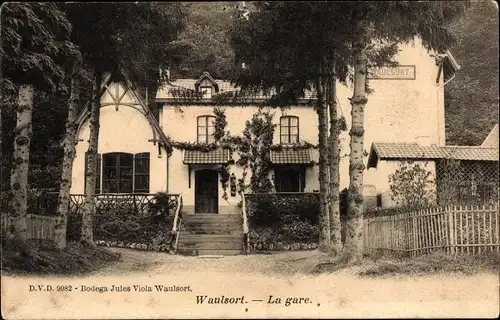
[(74, 260), (430, 264)]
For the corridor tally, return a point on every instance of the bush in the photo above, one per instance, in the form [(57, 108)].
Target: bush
[(124, 227), (267, 209), (297, 230), (280, 219)]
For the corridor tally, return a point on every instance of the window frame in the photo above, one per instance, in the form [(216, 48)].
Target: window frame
[(206, 126), (118, 168), (284, 171), (202, 88), (287, 128)]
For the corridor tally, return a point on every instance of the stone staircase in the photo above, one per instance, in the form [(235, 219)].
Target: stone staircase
[(211, 234)]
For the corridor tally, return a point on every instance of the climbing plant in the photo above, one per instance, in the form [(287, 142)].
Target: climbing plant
[(252, 147)]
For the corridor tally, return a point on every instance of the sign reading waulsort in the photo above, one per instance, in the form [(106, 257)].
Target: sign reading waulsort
[(393, 73)]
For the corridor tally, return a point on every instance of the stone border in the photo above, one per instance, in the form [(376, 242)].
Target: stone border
[(134, 245)]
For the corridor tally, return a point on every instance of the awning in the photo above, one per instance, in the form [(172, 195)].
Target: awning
[(216, 156), (291, 156)]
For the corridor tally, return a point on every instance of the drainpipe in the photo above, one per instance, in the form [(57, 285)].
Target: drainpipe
[(168, 161)]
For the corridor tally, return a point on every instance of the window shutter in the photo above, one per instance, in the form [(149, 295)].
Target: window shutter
[(141, 172)]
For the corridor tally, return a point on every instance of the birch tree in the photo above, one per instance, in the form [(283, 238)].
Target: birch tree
[(69, 156), (294, 47), (132, 40), (35, 46), (386, 23)]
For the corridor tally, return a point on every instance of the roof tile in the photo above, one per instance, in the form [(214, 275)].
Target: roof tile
[(415, 151), (216, 156), (291, 156)]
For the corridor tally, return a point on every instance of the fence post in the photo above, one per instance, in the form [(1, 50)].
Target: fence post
[(451, 225)]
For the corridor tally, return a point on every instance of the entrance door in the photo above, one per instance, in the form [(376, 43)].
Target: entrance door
[(206, 191)]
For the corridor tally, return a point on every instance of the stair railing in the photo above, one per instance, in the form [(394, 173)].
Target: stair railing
[(177, 223), (245, 224)]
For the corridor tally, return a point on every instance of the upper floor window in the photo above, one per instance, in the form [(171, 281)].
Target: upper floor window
[(289, 129), (206, 129), (206, 92)]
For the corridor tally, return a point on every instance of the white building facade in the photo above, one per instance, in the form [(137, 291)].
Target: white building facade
[(138, 152)]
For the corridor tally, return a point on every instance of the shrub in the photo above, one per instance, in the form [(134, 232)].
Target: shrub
[(297, 230), (410, 185), (267, 209)]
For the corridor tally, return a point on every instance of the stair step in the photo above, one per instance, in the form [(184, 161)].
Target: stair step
[(209, 252), (210, 246), (209, 227), (238, 232), (209, 237), (228, 217)]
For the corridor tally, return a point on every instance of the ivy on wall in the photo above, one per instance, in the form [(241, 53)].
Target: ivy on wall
[(253, 149)]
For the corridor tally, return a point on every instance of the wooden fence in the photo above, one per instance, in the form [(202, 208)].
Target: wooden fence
[(451, 229), (38, 227)]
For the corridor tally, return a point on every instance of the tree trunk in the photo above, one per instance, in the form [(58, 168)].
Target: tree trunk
[(69, 156), (324, 221), (353, 244), (18, 204), (90, 178), (334, 203)]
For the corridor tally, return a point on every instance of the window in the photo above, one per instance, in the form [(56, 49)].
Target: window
[(206, 129), (289, 179), (289, 129), (117, 173), (125, 173), (206, 92)]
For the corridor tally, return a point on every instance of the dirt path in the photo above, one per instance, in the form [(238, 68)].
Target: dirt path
[(286, 263), (259, 279)]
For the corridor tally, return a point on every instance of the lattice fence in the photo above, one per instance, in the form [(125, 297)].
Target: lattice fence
[(467, 182)]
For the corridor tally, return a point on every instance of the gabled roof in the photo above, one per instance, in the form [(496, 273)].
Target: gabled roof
[(167, 92), (413, 151), (207, 76), (471, 153), (492, 139), (449, 65), (107, 80)]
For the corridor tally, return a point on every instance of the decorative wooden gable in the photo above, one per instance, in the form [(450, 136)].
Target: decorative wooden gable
[(118, 93), (122, 93)]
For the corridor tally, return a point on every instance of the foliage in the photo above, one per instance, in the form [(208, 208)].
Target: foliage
[(292, 228), (276, 219), (252, 148), (35, 46), (259, 131), (225, 174), (268, 209), (410, 185), (207, 33), (476, 83), (161, 208), (125, 227)]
